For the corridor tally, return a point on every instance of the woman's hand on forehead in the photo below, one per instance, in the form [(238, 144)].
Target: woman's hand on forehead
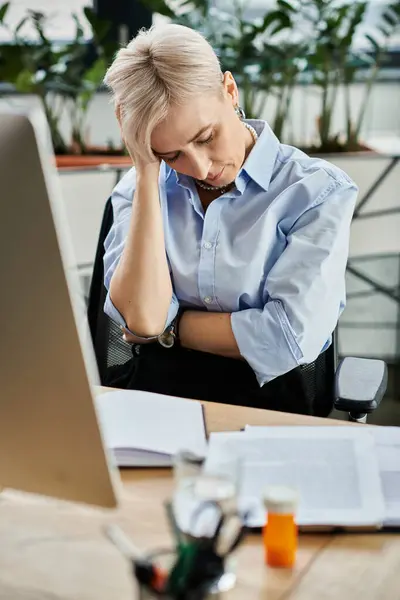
[(138, 162)]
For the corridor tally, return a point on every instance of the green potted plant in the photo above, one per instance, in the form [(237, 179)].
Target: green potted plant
[(335, 62), (80, 82), (269, 57), (65, 79), (31, 68), (296, 38)]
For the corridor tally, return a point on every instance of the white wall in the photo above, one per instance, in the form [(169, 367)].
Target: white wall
[(84, 195), (380, 234), (369, 325)]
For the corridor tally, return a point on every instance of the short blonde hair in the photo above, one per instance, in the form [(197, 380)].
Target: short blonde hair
[(163, 66)]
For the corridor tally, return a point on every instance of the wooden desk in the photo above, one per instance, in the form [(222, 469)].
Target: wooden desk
[(55, 551)]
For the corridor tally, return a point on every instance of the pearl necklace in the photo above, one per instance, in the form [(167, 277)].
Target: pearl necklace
[(222, 188)]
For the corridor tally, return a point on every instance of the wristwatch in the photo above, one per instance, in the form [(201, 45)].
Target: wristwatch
[(171, 334)]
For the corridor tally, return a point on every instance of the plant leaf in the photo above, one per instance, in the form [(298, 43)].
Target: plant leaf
[(79, 35), (373, 42), (386, 32), (200, 5), (3, 11), (99, 27), (24, 82), (280, 20), (390, 18), (95, 74), (160, 7), (286, 6), (20, 25)]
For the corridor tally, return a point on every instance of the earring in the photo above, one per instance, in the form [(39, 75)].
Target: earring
[(240, 112)]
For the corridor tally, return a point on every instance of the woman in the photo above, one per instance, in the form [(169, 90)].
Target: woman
[(225, 265)]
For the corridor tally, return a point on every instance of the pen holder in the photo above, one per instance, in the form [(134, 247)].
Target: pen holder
[(206, 527), (216, 592), (145, 594), (194, 572), (204, 514)]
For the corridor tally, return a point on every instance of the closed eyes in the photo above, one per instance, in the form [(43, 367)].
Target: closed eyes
[(177, 155)]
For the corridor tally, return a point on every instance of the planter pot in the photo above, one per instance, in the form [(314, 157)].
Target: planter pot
[(76, 161)]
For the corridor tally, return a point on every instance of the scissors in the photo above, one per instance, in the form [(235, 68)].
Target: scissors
[(229, 530)]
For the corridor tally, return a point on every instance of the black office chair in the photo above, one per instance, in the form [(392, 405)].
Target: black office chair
[(356, 385)]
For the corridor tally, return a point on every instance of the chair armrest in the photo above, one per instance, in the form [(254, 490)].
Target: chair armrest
[(360, 384)]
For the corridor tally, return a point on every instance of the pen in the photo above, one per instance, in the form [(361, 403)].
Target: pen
[(145, 570), (178, 535), (122, 542)]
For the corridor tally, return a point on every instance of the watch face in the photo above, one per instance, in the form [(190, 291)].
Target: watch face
[(166, 339)]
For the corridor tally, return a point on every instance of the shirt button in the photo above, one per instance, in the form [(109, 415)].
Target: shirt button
[(207, 245), (208, 299)]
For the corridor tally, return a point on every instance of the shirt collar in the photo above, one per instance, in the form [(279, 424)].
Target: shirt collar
[(258, 166), (182, 180)]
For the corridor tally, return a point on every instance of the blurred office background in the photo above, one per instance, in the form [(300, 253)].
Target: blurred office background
[(324, 73)]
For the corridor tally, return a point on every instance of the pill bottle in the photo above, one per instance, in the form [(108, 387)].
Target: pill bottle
[(280, 531)]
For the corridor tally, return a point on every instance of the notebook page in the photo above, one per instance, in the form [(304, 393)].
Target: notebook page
[(388, 450), (141, 458), (133, 419), (334, 469), (387, 440)]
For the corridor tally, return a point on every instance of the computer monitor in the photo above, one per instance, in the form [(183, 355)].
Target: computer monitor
[(50, 440)]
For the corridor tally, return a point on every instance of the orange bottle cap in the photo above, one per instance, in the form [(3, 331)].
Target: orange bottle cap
[(280, 499)]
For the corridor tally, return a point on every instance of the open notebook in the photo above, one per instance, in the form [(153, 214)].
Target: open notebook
[(146, 430), (346, 476)]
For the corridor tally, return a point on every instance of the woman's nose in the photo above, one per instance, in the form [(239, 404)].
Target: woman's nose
[(200, 167)]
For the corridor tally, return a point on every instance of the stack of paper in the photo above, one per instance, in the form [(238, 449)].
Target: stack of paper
[(346, 476), (387, 440), (146, 430)]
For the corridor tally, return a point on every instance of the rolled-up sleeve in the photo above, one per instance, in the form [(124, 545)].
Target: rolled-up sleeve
[(305, 289), (114, 243)]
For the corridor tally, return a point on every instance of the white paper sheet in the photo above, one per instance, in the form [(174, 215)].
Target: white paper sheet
[(335, 470), (388, 450), (387, 440), (145, 429)]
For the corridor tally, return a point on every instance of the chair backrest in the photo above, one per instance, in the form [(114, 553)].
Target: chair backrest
[(109, 346), (318, 380), (111, 350)]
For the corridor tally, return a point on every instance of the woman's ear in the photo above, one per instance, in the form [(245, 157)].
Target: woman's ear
[(119, 119), (231, 88), (118, 113)]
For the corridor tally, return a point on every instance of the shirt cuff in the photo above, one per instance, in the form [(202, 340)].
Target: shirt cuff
[(266, 341), (116, 316)]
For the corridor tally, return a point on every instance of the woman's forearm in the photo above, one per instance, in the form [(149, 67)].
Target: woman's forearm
[(141, 286), (208, 332)]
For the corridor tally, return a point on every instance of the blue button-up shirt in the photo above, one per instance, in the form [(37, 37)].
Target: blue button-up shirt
[(272, 251)]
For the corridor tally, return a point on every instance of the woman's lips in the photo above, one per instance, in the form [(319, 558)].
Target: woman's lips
[(216, 177)]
